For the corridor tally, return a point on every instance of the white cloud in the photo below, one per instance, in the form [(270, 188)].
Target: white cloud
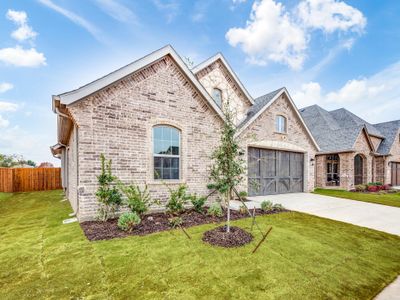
[(274, 34), (82, 22), (375, 98), (331, 15), (5, 86), (3, 122), (270, 35), (24, 31), (117, 11), (8, 106), (20, 57), (169, 7)]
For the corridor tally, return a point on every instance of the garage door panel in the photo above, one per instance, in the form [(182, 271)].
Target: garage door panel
[(267, 163), (274, 172), (268, 186), (283, 164), (283, 185)]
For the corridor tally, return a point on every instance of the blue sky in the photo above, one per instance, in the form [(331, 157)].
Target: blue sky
[(334, 53)]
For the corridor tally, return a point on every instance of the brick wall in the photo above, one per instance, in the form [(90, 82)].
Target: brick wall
[(118, 121), (217, 76)]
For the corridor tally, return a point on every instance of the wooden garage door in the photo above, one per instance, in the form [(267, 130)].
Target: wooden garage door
[(274, 172), (395, 174)]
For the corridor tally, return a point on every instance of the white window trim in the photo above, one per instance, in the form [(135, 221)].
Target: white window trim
[(278, 124)]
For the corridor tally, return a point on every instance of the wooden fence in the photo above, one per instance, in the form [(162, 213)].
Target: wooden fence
[(29, 179)]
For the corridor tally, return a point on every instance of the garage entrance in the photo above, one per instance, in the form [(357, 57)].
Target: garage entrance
[(274, 172)]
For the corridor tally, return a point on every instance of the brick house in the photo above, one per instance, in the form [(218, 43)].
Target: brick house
[(159, 122), (353, 151)]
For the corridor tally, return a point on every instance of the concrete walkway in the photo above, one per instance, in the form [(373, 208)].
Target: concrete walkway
[(374, 216)]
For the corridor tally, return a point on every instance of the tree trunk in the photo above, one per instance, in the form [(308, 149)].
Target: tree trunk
[(228, 214)]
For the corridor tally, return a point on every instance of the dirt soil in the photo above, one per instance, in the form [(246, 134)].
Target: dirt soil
[(235, 238), (156, 222)]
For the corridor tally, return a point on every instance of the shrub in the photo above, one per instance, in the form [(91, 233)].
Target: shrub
[(108, 196), (128, 220), (243, 194), (373, 188), (266, 205), (215, 210), (375, 183), (386, 187), (197, 202), (278, 207), (177, 199), (361, 187), (242, 209), (175, 222), (137, 200)]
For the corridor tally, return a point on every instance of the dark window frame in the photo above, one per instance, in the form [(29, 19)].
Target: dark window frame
[(332, 170), (166, 164)]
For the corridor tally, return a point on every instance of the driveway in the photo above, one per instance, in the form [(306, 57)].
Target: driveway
[(374, 216)]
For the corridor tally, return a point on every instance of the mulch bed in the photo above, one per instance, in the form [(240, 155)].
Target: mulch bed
[(156, 222), (235, 238)]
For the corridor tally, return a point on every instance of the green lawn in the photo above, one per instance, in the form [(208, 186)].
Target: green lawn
[(385, 199), (304, 257)]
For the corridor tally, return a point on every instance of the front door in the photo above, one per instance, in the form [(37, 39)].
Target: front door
[(274, 172), (358, 169), (395, 174)]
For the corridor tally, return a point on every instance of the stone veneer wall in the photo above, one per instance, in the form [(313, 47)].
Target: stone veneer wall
[(72, 170), (118, 122), (394, 157), (217, 76), (263, 128)]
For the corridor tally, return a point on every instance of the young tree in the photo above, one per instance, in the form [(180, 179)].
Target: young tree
[(228, 168)]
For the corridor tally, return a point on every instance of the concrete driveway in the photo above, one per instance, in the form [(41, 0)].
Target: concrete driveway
[(375, 216)]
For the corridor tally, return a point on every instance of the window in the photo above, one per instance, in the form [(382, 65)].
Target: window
[(332, 170), (217, 96), (166, 152), (280, 124)]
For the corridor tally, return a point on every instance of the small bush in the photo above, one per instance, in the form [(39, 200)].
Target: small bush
[(175, 222), (243, 210), (361, 187), (266, 205), (386, 187), (198, 202), (137, 200), (278, 207), (243, 194), (373, 188), (128, 220), (177, 199), (374, 183), (215, 210)]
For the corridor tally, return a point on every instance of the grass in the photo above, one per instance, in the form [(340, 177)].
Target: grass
[(303, 257), (384, 199)]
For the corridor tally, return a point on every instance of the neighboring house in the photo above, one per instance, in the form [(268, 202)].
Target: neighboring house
[(45, 165), (353, 151), (159, 122)]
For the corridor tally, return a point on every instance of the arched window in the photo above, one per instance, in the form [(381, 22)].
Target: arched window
[(166, 152), (217, 96), (280, 124)]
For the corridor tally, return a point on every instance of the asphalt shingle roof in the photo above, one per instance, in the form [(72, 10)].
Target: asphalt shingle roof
[(259, 103), (390, 131)]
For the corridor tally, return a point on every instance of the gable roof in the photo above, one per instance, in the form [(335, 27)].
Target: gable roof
[(338, 130), (105, 81), (213, 59), (261, 105), (390, 130)]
